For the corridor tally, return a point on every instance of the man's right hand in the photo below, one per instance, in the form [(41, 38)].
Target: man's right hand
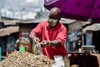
[(36, 40)]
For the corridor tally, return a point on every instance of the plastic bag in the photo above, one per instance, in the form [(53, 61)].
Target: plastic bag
[(37, 49), (59, 62)]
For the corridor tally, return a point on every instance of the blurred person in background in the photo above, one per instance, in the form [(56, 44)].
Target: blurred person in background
[(51, 35)]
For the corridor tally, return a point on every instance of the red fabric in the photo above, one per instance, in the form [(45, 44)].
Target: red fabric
[(84, 60), (44, 32), (20, 34)]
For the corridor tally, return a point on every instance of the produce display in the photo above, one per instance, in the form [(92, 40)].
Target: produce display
[(26, 59), (98, 57)]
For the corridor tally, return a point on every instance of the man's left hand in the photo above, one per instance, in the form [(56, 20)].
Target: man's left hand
[(44, 43)]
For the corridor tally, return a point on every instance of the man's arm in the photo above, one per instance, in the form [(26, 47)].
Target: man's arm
[(35, 33), (53, 43), (59, 41), (34, 38)]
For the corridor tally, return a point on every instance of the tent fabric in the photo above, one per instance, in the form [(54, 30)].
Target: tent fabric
[(74, 9), (53, 3), (96, 12), (77, 9)]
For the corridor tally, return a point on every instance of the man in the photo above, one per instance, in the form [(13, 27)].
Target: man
[(52, 35)]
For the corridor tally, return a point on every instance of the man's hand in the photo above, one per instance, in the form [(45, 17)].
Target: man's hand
[(36, 40), (44, 43)]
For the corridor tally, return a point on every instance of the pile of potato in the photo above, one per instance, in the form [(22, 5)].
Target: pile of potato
[(19, 59)]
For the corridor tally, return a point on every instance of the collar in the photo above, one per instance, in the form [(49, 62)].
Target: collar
[(55, 27)]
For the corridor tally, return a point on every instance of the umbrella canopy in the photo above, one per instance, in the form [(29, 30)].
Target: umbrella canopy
[(53, 3), (96, 12), (76, 9)]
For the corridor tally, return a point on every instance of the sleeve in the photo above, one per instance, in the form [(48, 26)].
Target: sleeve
[(62, 36), (37, 30)]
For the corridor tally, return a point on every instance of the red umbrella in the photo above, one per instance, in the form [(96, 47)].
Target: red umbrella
[(73, 9)]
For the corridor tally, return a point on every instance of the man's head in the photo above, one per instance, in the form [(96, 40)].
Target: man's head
[(54, 17)]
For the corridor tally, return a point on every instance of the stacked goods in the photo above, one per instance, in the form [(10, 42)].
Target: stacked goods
[(98, 57), (19, 59)]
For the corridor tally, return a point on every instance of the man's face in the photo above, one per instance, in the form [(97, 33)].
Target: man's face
[(54, 17), (52, 22)]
